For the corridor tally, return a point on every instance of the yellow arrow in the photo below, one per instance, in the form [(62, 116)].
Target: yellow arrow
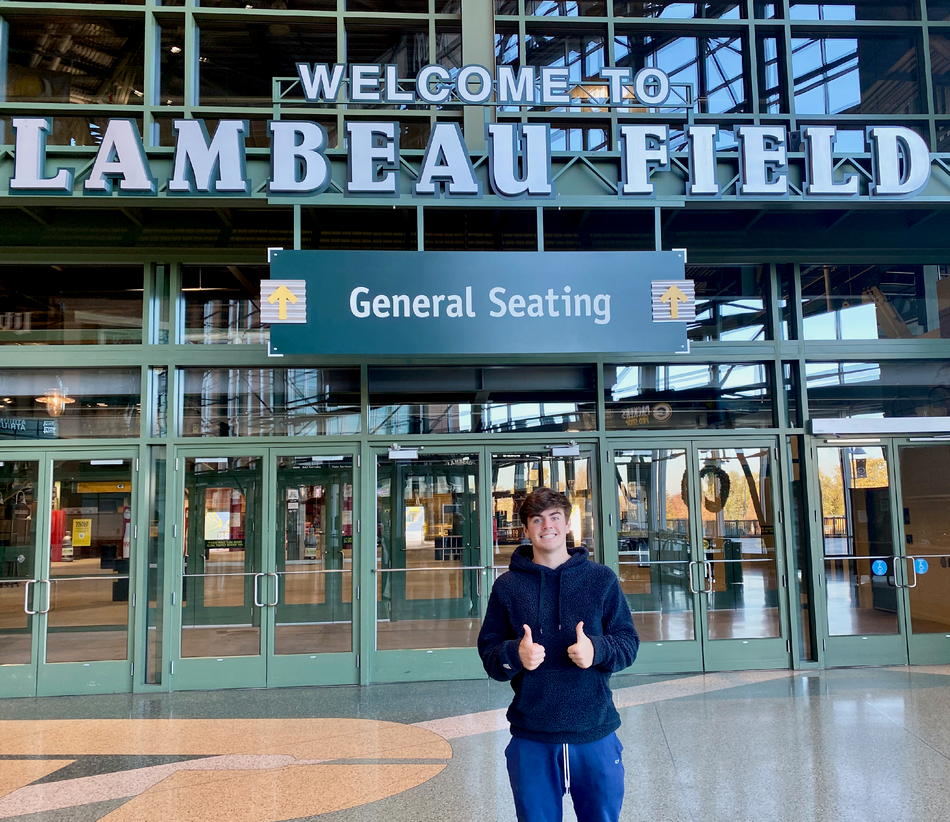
[(674, 297), (284, 294)]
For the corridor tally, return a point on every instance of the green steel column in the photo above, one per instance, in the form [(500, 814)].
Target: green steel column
[(478, 46)]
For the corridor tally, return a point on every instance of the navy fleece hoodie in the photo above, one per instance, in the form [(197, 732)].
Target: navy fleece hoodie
[(558, 702)]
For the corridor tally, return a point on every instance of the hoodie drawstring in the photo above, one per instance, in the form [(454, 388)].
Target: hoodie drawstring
[(567, 769)]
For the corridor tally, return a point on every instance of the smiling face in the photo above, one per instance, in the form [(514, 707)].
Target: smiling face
[(547, 532)]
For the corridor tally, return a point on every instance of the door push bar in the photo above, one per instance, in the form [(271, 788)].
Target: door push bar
[(257, 598), (26, 597), (707, 576)]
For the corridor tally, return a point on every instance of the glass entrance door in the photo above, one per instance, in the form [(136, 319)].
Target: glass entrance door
[(886, 577), (265, 572), (698, 555), (515, 473), (69, 563), (925, 570), (20, 516), (429, 569)]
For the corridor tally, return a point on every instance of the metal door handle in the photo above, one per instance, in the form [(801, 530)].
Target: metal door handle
[(709, 576), (49, 595), (26, 597), (276, 590), (257, 600), (689, 575), (913, 565)]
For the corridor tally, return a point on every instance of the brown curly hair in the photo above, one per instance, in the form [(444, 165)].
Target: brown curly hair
[(540, 500)]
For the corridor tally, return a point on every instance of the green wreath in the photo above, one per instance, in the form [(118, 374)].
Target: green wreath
[(718, 502)]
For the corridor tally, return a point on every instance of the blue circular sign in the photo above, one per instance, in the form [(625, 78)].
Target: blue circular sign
[(921, 566), (879, 567)]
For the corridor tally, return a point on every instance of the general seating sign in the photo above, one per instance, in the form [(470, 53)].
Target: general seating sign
[(448, 302)]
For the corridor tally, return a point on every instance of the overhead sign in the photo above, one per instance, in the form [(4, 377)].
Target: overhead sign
[(446, 302)]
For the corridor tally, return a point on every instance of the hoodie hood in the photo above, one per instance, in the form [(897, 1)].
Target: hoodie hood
[(523, 560)]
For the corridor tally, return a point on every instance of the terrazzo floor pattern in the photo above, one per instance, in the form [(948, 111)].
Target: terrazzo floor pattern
[(764, 746)]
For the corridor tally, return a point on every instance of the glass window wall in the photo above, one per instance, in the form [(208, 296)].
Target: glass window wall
[(222, 304), (875, 302), (39, 403), (658, 397), (889, 388), (712, 66), (502, 399), (270, 402), (856, 73), (70, 304), (79, 60)]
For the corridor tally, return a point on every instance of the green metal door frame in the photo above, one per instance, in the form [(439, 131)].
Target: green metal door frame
[(207, 673), (336, 668), (858, 649), (703, 652), (922, 648), (419, 665), (20, 679), (94, 677)]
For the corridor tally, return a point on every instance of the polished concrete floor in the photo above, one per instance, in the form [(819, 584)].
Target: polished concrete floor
[(858, 744)]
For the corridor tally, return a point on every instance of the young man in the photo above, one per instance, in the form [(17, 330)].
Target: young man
[(557, 627)]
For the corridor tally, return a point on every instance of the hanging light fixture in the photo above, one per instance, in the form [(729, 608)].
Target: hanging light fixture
[(56, 400)]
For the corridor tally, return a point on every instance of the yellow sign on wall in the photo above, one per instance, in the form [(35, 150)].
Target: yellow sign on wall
[(101, 487), (82, 532)]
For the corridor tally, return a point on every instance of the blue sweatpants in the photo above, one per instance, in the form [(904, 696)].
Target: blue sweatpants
[(593, 777)]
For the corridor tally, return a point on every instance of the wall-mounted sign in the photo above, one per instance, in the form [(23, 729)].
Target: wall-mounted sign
[(519, 162), (444, 303), (101, 487), (82, 533)]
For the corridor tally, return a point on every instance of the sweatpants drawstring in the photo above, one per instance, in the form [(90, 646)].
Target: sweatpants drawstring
[(567, 769)]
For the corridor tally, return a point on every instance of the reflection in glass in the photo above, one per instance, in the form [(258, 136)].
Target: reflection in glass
[(70, 305), (735, 487), (566, 8), (262, 402), (730, 303), (653, 543), (222, 304), (428, 568), (856, 75), (37, 403), (889, 388), (18, 522), (798, 519), (673, 9), (925, 493), (712, 67), (854, 10), (730, 395), (424, 400), (515, 475), (238, 60), (314, 555), (582, 55), (155, 574), (223, 581), (58, 59), (90, 560), (871, 302), (857, 543)]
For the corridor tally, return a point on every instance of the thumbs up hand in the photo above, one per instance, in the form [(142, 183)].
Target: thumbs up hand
[(582, 652), (530, 653)]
